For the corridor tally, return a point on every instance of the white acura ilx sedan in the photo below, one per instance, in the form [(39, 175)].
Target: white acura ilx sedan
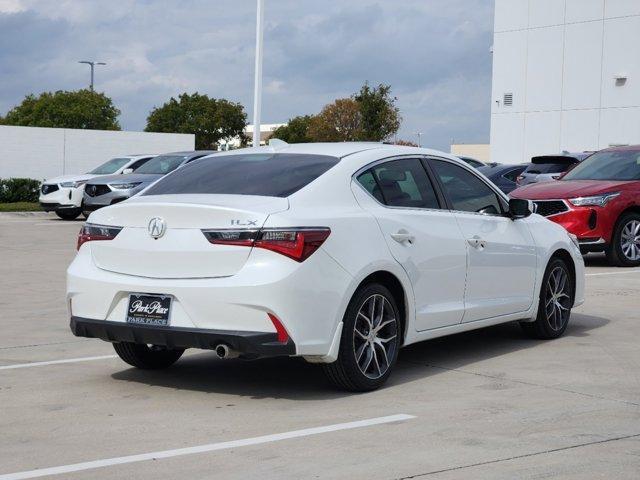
[(339, 253)]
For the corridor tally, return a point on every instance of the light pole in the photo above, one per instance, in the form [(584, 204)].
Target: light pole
[(419, 135), (92, 65), (257, 87)]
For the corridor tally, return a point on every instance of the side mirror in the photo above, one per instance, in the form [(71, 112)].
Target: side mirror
[(127, 171), (519, 208)]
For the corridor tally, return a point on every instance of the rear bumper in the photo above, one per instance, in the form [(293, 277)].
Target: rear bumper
[(249, 344)]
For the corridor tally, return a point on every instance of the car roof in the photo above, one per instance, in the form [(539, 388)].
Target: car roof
[(333, 149), (188, 153), (624, 148)]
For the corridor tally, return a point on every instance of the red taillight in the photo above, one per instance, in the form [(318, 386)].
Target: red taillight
[(296, 243), (283, 336), (90, 232)]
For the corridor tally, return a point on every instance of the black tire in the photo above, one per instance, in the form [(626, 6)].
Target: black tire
[(70, 214), (615, 254), (547, 326), (345, 373), (145, 357)]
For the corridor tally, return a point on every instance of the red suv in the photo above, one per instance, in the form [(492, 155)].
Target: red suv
[(598, 201)]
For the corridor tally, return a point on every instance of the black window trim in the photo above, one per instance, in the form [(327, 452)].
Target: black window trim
[(443, 207), (502, 197)]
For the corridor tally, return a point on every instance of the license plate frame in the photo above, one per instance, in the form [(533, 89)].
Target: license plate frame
[(150, 309)]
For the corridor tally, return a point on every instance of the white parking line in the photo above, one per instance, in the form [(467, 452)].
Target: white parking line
[(55, 362), (620, 272), (76, 467)]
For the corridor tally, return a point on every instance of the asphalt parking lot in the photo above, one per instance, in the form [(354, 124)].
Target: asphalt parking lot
[(484, 404)]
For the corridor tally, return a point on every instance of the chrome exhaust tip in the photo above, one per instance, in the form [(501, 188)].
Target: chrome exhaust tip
[(224, 352)]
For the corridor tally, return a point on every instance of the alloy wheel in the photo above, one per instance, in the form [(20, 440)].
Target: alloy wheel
[(557, 298), (375, 336), (630, 240)]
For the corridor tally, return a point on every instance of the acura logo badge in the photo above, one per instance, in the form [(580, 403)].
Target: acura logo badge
[(157, 227)]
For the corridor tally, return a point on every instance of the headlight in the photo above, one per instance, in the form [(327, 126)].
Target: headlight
[(124, 186), (73, 184), (596, 200)]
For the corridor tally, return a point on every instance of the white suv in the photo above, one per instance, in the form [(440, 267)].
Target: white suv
[(63, 195)]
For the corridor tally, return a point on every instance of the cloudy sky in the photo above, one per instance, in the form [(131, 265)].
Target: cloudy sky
[(434, 54)]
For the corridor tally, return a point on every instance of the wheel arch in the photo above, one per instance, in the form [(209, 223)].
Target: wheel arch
[(565, 256), (394, 285)]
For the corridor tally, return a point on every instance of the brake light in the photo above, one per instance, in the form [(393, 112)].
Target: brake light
[(297, 243), (90, 232)]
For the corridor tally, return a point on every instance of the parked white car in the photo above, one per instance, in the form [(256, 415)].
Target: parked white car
[(63, 195), (339, 253)]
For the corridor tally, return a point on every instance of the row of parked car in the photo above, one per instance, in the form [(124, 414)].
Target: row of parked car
[(594, 195), (120, 178)]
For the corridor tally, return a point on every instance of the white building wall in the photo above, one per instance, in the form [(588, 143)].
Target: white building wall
[(42, 153), (559, 58)]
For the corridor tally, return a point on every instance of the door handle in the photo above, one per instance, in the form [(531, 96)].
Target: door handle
[(402, 236), (477, 242)]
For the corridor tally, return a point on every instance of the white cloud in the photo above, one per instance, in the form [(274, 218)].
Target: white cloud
[(433, 53), (11, 6)]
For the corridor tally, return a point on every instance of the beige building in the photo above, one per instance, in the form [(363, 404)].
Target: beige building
[(479, 151)]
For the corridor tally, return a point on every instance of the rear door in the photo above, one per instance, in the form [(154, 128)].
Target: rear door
[(502, 261), (423, 237)]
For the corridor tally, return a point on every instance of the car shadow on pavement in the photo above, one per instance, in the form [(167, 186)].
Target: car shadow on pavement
[(596, 260), (294, 378)]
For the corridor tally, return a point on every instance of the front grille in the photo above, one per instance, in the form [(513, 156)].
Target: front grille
[(49, 188), (547, 208), (96, 190)]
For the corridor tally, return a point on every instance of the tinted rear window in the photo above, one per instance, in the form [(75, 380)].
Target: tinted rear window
[(547, 168), (271, 175)]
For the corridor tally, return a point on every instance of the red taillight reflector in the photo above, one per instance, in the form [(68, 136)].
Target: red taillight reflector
[(283, 336), (297, 243), (90, 232)]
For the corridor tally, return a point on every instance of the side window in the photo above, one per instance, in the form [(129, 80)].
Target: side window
[(466, 191), (369, 183), (512, 175), (404, 183), (139, 163)]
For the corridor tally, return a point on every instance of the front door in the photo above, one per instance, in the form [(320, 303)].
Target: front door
[(502, 260)]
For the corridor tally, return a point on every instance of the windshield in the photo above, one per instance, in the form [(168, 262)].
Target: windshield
[(162, 164), (608, 165), (271, 175), (110, 167)]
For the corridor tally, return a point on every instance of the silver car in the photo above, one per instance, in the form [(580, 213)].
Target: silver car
[(546, 168), (105, 191)]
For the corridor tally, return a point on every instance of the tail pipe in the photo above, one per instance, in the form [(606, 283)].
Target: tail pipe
[(224, 352)]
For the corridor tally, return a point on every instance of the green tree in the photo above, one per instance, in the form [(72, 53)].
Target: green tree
[(62, 109), (296, 131), (210, 119), (380, 116), (339, 121)]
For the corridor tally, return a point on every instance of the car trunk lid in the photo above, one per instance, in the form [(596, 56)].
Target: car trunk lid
[(179, 249)]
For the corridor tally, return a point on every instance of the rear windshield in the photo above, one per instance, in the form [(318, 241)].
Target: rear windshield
[(608, 165), (547, 168), (271, 175), (161, 164), (111, 166)]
